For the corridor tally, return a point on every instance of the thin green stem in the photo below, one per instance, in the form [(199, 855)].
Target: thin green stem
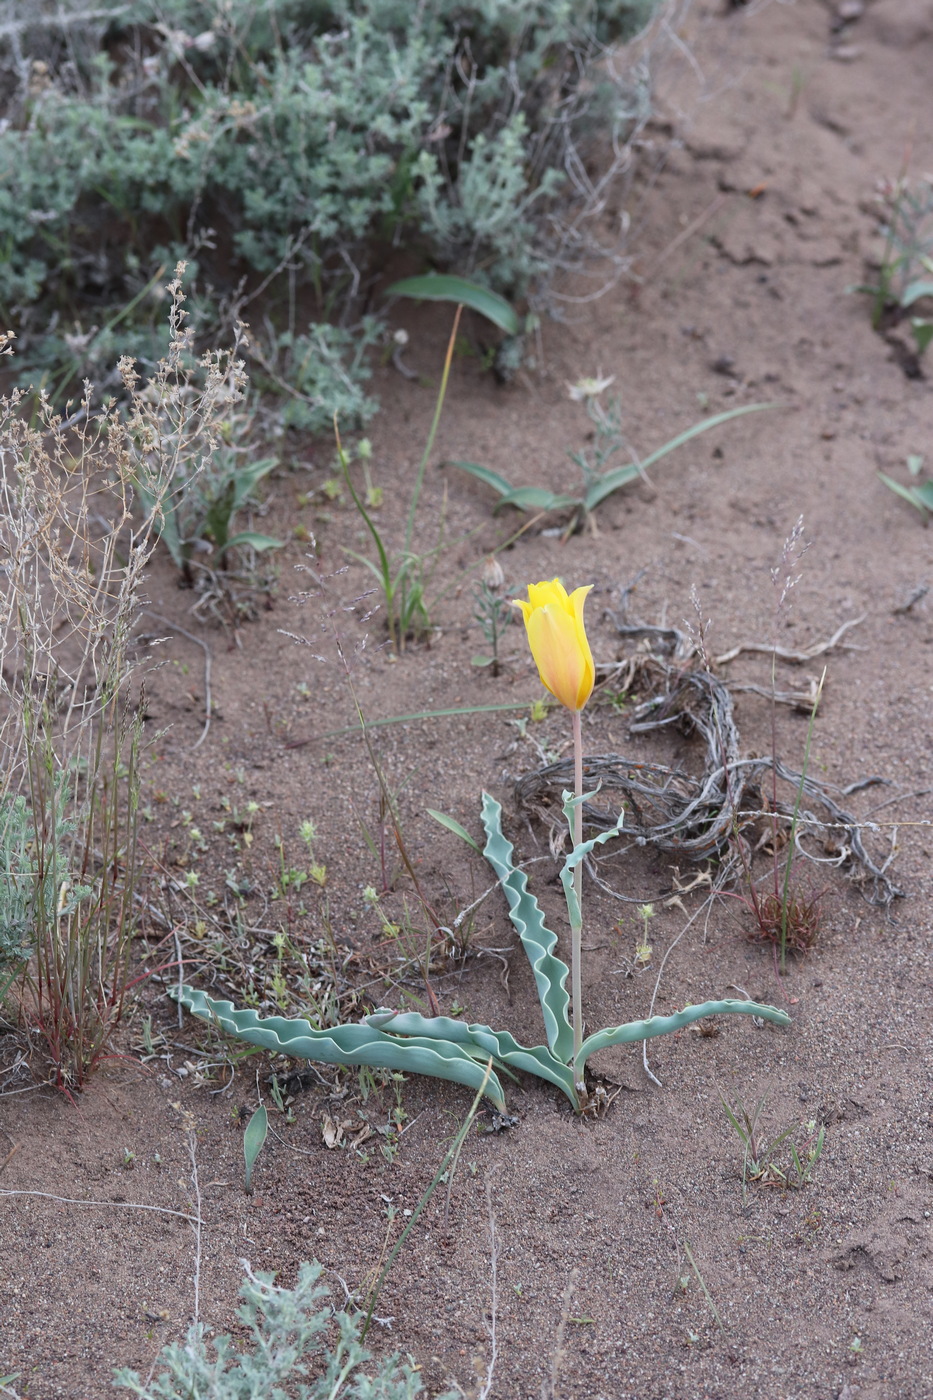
[(419, 479), (576, 933), (388, 587)]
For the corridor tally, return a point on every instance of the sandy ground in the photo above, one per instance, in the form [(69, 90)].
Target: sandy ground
[(745, 239)]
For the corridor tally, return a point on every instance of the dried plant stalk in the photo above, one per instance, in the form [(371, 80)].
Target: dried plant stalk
[(72, 564)]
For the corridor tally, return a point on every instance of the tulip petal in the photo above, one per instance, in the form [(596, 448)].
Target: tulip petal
[(543, 595), (552, 636), (557, 638)]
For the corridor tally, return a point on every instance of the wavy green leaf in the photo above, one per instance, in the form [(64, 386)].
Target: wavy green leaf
[(537, 940), (438, 287), (664, 1025), (536, 1059), (353, 1044), (580, 853)]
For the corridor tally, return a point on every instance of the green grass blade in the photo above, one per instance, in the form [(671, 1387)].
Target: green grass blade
[(743, 1135), (426, 714), (353, 1044), (432, 432), (484, 474), (538, 941), (253, 1140), (664, 1025), (383, 572), (448, 1164), (703, 427), (385, 580), (437, 287), (453, 825)]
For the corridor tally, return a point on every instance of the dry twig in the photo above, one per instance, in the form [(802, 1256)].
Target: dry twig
[(697, 817)]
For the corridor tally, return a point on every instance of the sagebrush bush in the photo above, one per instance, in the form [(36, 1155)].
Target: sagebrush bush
[(293, 144), (296, 1339)]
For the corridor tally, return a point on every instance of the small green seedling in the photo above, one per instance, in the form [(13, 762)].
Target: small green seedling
[(920, 496), (596, 484), (199, 507), (759, 1150), (905, 276), (453, 825), (494, 614), (253, 1140), (401, 575)]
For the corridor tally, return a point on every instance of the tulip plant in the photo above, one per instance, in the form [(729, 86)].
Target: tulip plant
[(455, 1050), (558, 641)]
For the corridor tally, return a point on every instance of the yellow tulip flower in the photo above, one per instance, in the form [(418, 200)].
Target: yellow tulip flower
[(557, 637)]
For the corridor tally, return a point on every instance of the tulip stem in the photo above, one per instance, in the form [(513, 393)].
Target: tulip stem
[(576, 933)]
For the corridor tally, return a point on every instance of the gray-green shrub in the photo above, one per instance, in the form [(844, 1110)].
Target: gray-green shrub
[(297, 142), (296, 1339)]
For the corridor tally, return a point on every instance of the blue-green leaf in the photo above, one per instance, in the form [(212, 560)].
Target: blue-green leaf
[(922, 331), (915, 291), (484, 474), (439, 287), (920, 497), (538, 941), (611, 481), (664, 1025), (354, 1044), (622, 475), (253, 1140), (482, 1042), (537, 498), (580, 853), (253, 539), (247, 478)]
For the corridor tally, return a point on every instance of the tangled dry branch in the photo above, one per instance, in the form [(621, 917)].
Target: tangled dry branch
[(699, 817)]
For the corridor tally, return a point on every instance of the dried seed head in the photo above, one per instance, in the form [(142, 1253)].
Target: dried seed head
[(492, 573)]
